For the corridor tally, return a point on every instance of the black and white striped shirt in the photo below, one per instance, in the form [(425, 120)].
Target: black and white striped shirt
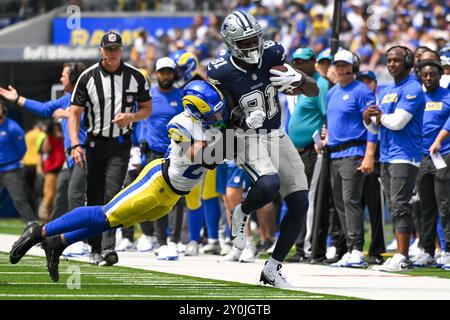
[(106, 94)]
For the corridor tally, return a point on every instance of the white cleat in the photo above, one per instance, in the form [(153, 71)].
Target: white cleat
[(192, 249), (443, 259), (146, 243), (274, 278), (232, 256), (212, 247), (172, 251), (422, 260), (357, 260), (238, 232), (397, 263), (249, 253), (343, 262), (76, 249), (125, 245)]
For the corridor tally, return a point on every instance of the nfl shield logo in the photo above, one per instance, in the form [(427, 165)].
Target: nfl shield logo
[(129, 99), (254, 76), (112, 37)]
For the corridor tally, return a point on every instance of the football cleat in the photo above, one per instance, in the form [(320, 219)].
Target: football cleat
[(238, 232), (31, 235), (110, 258), (53, 248), (274, 278)]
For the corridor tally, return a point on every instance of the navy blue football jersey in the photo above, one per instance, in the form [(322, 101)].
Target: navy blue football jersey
[(252, 90)]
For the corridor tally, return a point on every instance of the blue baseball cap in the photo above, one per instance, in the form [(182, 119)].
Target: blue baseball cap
[(325, 54), (366, 74), (303, 54)]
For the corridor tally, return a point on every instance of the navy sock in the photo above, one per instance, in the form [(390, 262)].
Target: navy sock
[(211, 209), (297, 205), (263, 192), (79, 218)]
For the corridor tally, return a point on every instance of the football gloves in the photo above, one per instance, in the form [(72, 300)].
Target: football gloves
[(283, 81), (255, 119)]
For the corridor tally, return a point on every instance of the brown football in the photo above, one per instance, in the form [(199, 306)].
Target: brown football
[(294, 92)]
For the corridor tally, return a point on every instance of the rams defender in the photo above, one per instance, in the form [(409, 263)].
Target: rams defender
[(247, 77), (153, 194)]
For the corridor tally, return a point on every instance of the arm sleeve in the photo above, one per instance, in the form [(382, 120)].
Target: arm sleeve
[(80, 94), (143, 89), (44, 109), (397, 120), (372, 128)]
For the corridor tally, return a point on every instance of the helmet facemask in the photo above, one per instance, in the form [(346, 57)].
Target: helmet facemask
[(237, 28), (250, 54)]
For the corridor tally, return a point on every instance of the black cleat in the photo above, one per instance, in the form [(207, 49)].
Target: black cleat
[(110, 258), (31, 235), (53, 248)]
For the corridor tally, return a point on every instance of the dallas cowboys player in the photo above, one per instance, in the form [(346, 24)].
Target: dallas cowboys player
[(247, 80)]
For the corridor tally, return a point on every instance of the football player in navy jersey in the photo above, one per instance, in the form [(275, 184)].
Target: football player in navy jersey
[(246, 78)]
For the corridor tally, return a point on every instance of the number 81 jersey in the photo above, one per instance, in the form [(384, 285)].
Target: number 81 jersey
[(251, 89)]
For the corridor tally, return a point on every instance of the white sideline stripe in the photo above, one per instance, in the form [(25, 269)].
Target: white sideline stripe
[(297, 297)]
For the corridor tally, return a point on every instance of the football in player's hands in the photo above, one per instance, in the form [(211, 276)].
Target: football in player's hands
[(289, 91)]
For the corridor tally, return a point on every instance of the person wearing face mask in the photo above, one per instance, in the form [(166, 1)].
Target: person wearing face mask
[(12, 150)]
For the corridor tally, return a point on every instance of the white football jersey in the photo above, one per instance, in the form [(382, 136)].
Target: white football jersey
[(184, 174)]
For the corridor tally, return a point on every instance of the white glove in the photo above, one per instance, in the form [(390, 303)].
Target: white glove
[(255, 119), (284, 80)]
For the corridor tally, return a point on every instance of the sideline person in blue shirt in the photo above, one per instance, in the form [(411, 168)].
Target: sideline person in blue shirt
[(71, 185), (434, 184), (401, 117), (352, 152), (12, 150)]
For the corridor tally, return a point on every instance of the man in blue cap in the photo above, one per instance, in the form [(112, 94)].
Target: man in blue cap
[(308, 116)]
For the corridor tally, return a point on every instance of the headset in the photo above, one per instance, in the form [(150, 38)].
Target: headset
[(409, 58), (356, 63)]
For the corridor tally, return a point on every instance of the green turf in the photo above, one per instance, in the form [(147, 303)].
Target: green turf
[(29, 280), (11, 226), (429, 272)]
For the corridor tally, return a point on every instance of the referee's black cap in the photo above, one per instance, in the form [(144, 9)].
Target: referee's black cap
[(110, 39)]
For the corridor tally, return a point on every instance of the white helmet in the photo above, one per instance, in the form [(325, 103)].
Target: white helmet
[(239, 26)]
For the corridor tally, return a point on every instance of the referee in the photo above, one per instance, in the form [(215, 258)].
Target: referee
[(107, 93)]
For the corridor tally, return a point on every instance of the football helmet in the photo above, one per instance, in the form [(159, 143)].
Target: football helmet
[(187, 64), (204, 102), (239, 26)]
